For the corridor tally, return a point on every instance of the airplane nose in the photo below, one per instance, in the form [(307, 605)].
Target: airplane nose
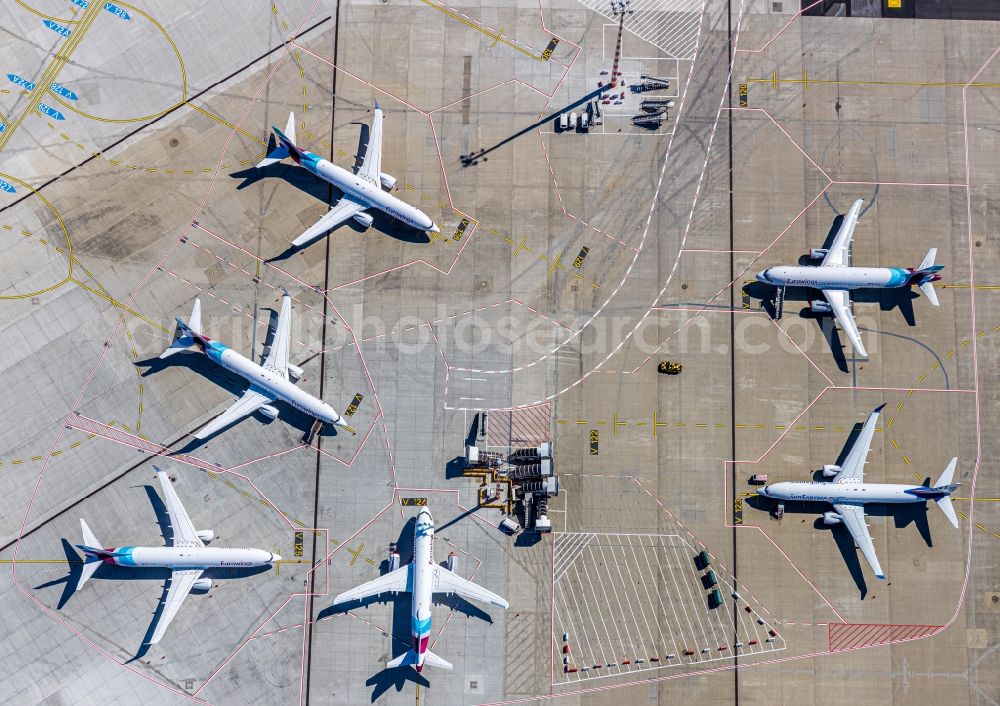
[(762, 276), (762, 491), (275, 557), (434, 228)]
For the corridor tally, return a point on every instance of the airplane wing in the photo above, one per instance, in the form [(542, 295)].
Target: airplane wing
[(185, 534), (449, 582), (345, 209), (396, 581), (836, 256), (372, 165), (277, 357), (252, 400), (840, 302), (854, 520), (181, 583), (853, 468)]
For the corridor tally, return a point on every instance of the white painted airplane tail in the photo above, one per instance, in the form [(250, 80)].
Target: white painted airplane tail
[(410, 658), (285, 146), (929, 270), (944, 483), (185, 339), (91, 562)]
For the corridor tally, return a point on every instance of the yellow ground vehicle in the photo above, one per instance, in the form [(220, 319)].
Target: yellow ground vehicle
[(668, 367)]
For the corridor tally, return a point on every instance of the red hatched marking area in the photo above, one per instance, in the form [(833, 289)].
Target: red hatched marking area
[(524, 426), (852, 636)]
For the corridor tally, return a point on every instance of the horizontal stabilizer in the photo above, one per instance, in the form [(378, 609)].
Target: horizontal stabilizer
[(947, 474), (91, 562), (435, 661), (949, 511), (404, 660), (928, 259), (944, 483), (928, 289), (276, 155), (409, 658), (184, 338), (286, 144)]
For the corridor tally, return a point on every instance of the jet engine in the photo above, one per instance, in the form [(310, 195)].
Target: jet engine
[(452, 563), (829, 470), (388, 181), (294, 372), (393, 558), (817, 253), (205, 535), (364, 219), (269, 411), (202, 585), (818, 306), (832, 518)]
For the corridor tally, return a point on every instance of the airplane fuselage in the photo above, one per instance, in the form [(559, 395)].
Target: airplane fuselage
[(849, 493), (423, 589), (845, 278), (267, 380), (184, 558), (366, 192)]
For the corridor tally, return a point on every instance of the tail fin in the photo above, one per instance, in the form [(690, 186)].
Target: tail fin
[(407, 658), (286, 144), (184, 338), (92, 561), (944, 484), (927, 274)]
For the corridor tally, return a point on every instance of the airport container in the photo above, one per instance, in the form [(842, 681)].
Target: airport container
[(715, 599)]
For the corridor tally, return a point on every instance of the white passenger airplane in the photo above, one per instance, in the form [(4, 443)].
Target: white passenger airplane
[(187, 557), (364, 189), (274, 380), (423, 579), (835, 278), (848, 492)]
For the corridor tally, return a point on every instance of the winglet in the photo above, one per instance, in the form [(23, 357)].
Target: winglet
[(878, 409), (377, 106)]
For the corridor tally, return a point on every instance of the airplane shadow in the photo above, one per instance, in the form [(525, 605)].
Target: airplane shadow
[(887, 299), (75, 563), (902, 515), (395, 677)]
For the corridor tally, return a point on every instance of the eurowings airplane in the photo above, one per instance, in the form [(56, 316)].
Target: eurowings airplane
[(848, 492), (364, 189), (187, 557), (835, 278), (423, 579), (273, 380)]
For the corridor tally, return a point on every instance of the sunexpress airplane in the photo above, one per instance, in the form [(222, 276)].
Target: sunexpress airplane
[(848, 492)]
